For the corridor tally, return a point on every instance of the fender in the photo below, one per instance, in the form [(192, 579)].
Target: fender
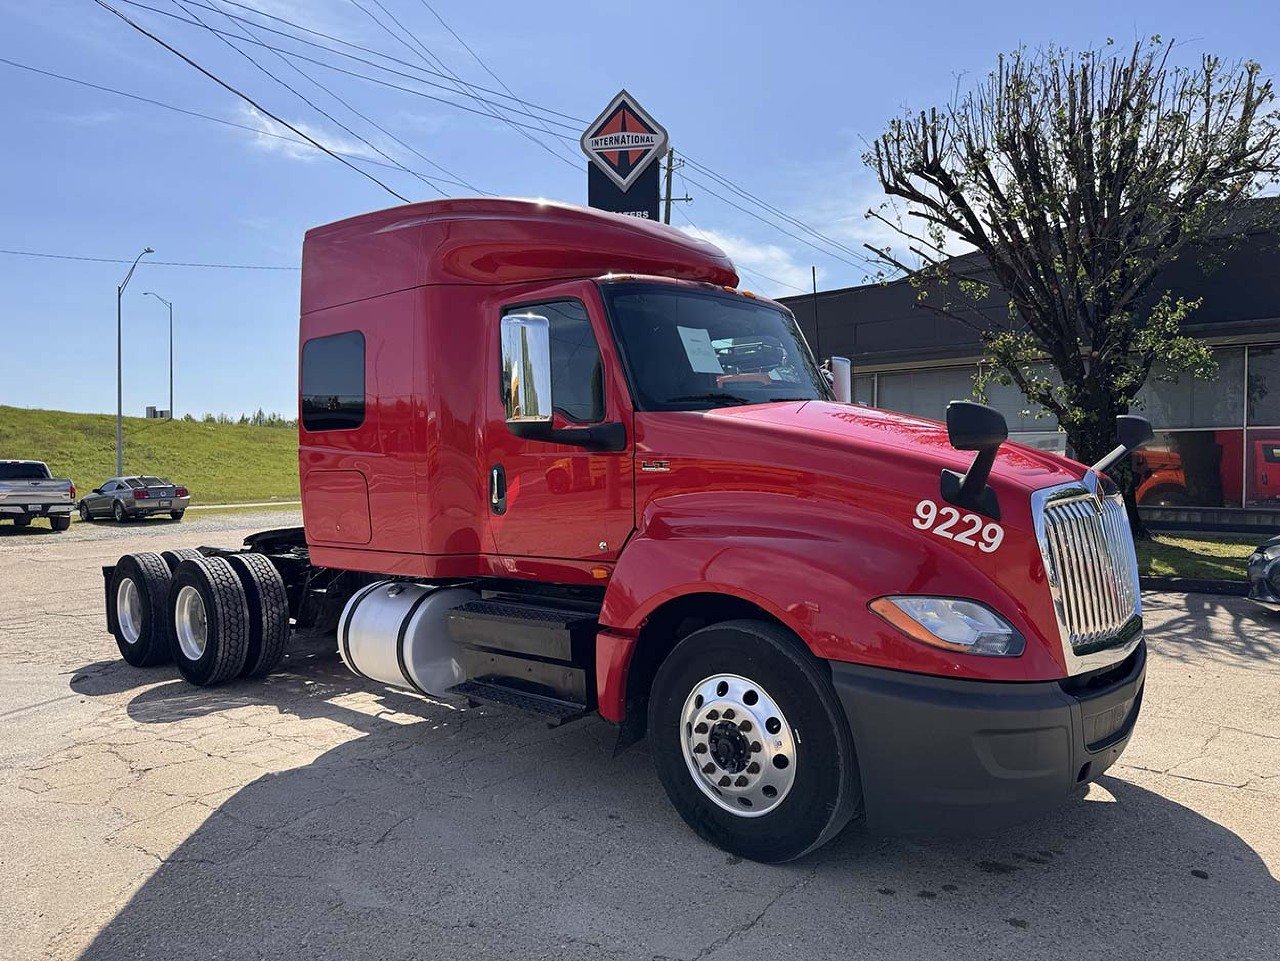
[(814, 566)]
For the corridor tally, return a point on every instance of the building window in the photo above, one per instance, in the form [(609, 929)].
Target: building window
[(1185, 401), (333, 394)]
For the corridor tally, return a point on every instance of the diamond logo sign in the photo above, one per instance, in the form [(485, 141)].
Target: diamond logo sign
[(624, 140)]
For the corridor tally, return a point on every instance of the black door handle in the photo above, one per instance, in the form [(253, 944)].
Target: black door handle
[(498, 489)]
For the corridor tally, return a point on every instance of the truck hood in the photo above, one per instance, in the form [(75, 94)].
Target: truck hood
[(872, 432)]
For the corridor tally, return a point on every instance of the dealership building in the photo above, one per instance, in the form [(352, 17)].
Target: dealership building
[(1216, 459)]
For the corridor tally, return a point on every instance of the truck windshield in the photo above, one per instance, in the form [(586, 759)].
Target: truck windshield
[(694, 350), (10, 472)]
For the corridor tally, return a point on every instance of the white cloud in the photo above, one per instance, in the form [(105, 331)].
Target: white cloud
[(273, 137), (767, 268)]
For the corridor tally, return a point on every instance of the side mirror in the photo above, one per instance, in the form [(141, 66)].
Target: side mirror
[(1132, 432), (526, 368), (983, 429), (842, 379), (96, 490)]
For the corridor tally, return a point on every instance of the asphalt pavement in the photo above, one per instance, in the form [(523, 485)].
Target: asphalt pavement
[(317, 815)]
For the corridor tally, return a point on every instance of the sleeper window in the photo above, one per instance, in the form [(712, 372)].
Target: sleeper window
[(333, 382)]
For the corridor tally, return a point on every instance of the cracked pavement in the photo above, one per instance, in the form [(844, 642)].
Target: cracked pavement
[(316, 815)]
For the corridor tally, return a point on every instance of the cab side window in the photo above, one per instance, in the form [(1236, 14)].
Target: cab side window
[(332, 389), (577, 375)]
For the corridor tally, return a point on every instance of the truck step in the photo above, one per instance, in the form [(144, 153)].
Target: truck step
[(525, 629), (555, 711)]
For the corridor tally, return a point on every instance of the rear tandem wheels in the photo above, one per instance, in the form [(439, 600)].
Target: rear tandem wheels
[(216, 617), (725, 708)]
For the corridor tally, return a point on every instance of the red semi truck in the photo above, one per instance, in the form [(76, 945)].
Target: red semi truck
[(554, 458)]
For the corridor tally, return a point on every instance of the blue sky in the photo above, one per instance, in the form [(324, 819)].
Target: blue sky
[(779, 98)]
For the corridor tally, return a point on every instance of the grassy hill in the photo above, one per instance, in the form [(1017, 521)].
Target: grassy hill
[(220, 463)]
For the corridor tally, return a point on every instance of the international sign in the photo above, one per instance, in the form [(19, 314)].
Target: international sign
[(624, 141)]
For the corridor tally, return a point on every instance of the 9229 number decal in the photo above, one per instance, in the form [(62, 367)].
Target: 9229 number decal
[(968, 529)]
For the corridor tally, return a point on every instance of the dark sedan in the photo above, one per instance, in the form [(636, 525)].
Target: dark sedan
[(125, 498)]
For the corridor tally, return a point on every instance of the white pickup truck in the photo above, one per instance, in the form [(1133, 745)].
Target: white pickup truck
[(28, 490)]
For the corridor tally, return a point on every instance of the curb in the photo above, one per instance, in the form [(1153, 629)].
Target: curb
[(1195, 585)]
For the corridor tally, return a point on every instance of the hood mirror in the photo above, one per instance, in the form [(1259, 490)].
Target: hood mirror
[(1132, 432), (978, 428)]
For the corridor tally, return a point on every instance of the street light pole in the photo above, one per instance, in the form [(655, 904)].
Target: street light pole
[(168, 304), (120, 363)]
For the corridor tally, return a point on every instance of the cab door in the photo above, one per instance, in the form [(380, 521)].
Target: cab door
[(560, 491)]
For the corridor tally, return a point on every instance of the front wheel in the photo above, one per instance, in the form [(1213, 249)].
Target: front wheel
[(84, 512), (751, 743)]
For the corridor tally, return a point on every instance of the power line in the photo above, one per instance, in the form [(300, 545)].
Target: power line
[(376, 53), (249, 100), (423, 52), (742, 267), (257, 131), (331, 66), (320, 110), (150, 263), (747, 195), (475, 56), (770, 223)]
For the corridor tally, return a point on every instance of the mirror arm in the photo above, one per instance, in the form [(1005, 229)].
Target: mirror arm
[(608, 437)]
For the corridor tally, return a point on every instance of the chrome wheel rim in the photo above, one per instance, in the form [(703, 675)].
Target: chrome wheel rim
[(129, 610), (84, 512), (738, 745), (191, 623), (118, 510)]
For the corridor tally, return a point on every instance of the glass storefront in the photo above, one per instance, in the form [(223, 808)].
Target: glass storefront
[(1204, 455)]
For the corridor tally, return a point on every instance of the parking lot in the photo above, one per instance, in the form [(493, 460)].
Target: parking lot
[(316, 815)]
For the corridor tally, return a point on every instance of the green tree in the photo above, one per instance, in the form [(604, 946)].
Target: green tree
[(1078, 177)]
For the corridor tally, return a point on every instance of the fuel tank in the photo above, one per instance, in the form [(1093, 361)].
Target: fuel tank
[(396, 632)]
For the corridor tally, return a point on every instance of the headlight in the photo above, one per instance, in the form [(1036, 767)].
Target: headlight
[(952, 624)]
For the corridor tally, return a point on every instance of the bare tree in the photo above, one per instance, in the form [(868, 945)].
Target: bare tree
[(1078, 177)]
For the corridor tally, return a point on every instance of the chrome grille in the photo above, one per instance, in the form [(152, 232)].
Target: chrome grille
[(1092, 567)]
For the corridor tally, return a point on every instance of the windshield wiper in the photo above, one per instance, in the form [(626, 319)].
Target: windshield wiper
[(712, 396), (782, 400)]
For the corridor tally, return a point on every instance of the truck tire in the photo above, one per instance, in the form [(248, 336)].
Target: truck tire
[(268, 613), (727, 712), (118, 512), (140, 591), (60, 523), (210, 617), (174, 558), (22, 520)]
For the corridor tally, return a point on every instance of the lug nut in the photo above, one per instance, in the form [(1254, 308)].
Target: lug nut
[(756, 748), (700, 729), (699, 749), (724, 781), (744, 726), (713, 715), (753, 768), (708, 768), (740, 782), (728, 714)]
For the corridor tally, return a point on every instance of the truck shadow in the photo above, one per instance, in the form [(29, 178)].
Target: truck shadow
[(1212, 626), (433, 831)]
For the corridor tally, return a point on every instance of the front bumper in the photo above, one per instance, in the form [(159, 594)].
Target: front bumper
[(1260, 590), (941, 755)]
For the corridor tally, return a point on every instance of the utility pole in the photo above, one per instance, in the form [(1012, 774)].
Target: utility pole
[(120, 363), (168, 304), (817, 327), (666, 210), (668, 200)]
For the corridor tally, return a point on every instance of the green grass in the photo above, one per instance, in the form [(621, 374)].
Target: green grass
[(219, 463), (1211, 556)]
